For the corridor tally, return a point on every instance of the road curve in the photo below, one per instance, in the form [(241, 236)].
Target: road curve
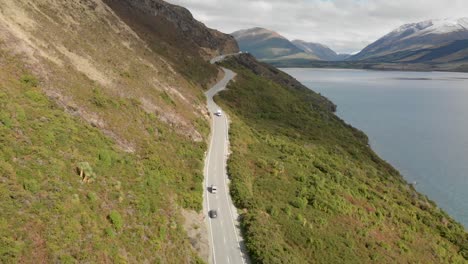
[(226, 243)]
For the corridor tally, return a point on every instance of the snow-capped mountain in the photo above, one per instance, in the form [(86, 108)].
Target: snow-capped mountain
[(412, 37), (437, 26)]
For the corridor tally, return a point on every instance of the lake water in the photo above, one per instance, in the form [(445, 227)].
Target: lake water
[(417, 121)]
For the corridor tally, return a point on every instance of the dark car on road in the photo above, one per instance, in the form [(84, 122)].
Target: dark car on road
[(213, 213)]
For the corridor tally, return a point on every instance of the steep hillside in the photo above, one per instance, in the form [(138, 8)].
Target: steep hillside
[(176, 24), (417, 36), (311, 189), (266, 44), (320, 51), (93, 110)]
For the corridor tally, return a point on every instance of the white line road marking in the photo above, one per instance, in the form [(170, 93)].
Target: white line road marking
[(208, 198), (219, 135)]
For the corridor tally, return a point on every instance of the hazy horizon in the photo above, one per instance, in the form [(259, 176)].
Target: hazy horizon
[(346, 26)]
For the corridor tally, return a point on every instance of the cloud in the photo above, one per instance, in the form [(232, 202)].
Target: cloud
[(344, 25)]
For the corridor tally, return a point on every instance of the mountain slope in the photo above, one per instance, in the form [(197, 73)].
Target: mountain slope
[(454, 52), (183, 29), (93, 110), (271, 47), (264, 43), (412, 37), (312, 190), (320, 51)]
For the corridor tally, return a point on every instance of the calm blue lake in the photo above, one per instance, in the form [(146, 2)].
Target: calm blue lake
[(417, 121)]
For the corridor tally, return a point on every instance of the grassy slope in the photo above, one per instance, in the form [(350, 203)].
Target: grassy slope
[(127, 214), (312, 189), (169, 42), (132, 211)]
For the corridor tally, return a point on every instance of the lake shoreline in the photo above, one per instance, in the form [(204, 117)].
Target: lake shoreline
[(403, 115), (416, 67)]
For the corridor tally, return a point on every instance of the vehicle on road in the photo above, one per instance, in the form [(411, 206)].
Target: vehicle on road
[(213, 213), (218, 112), (213, 188)]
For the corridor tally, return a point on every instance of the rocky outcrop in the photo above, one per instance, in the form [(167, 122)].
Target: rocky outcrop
[(210, 41)]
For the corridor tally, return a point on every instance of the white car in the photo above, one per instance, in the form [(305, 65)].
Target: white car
[(213, 188), (218, 112)]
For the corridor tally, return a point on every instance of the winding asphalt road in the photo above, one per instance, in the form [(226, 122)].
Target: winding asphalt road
[(226, 243)]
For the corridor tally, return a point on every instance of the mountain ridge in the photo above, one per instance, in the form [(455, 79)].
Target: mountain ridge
[(430, 45), (416, 36), (264, 43), (211, 41), (270, 46), (322, 51)]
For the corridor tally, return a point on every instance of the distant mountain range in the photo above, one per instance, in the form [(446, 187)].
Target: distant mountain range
[(438, 44), (321, 51), (264, 43), (431, 41), (270, 46)]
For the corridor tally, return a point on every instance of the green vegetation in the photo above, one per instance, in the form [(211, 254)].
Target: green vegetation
[(116, 220), (99, 101), (102, 132), (102, 135), (50, 214), (86, 172), (29, 80), (311, 189)]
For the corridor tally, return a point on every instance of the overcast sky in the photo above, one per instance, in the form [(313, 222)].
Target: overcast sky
[(344, 25)]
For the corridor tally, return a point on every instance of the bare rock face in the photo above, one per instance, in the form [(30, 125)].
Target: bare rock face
[(210, 41)]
